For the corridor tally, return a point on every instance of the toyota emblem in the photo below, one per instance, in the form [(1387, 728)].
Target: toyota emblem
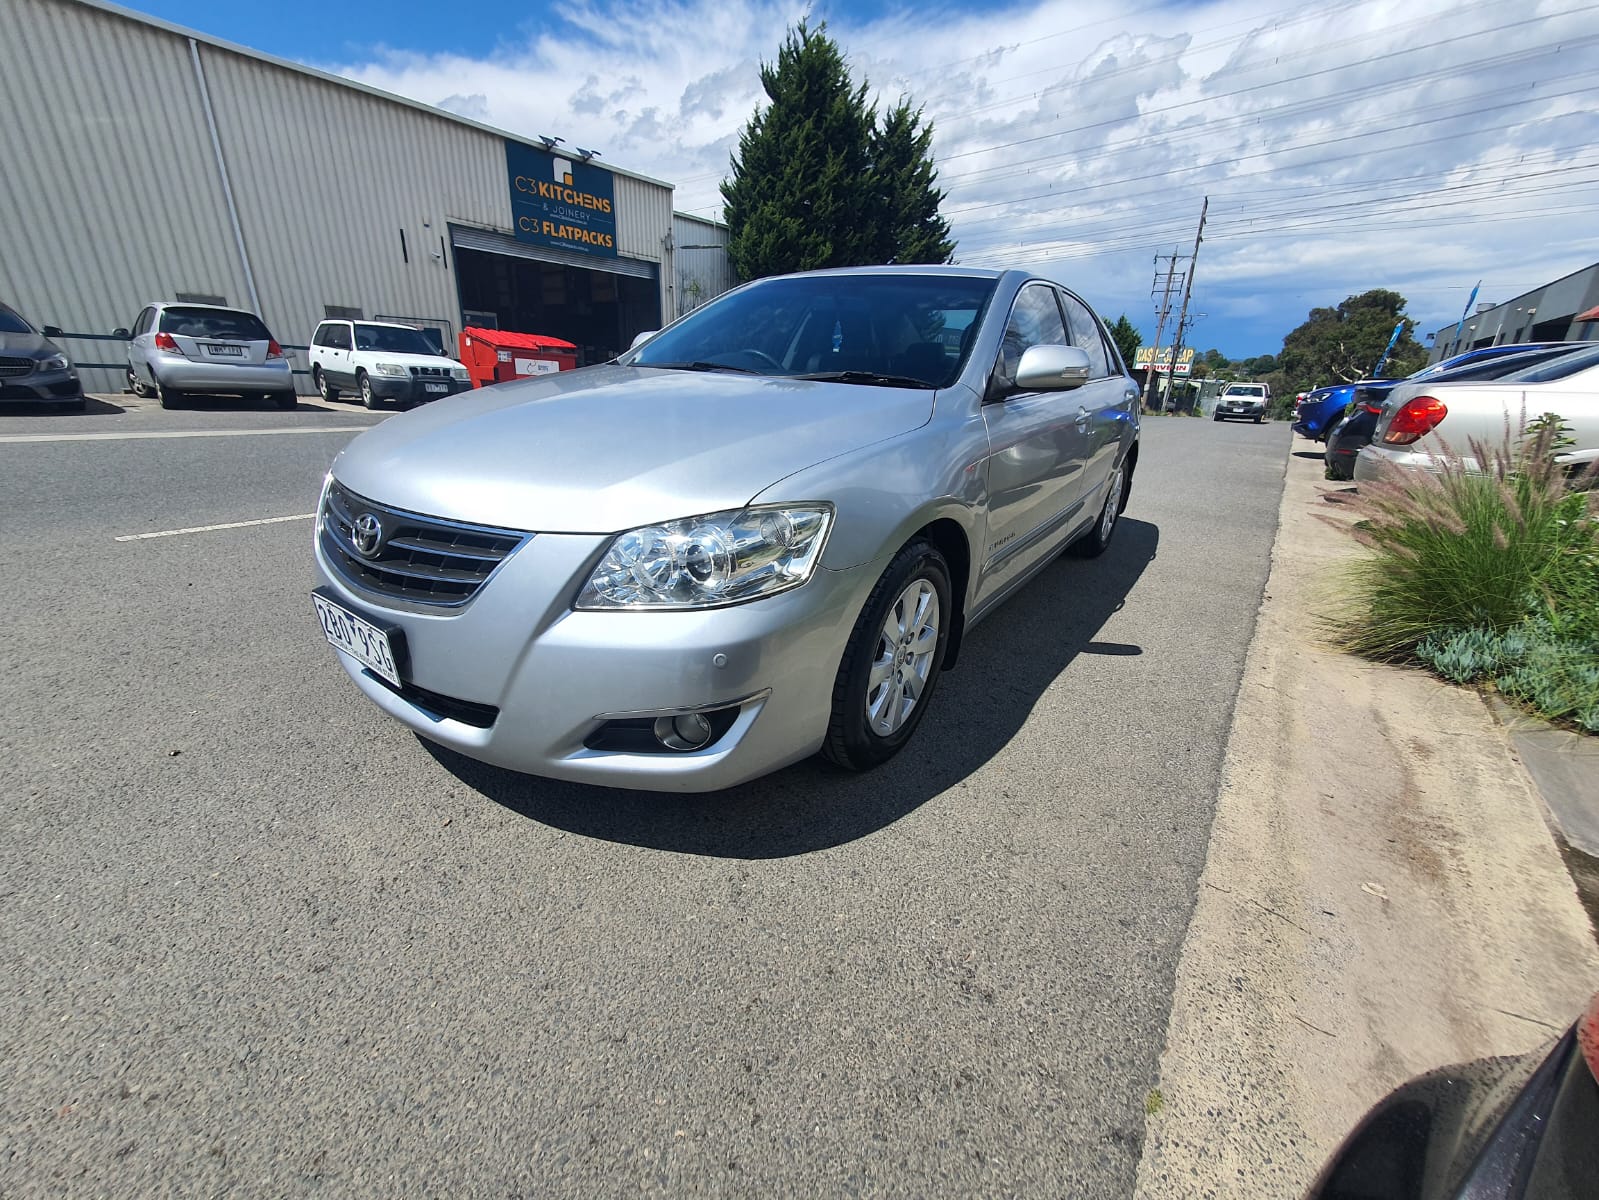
[(367, 535)]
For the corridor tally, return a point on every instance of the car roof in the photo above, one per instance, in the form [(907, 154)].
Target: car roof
[(383, 324), (913, 269), (228, 308)]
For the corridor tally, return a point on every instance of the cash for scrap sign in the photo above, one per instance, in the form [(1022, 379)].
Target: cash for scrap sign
[(560, 201)]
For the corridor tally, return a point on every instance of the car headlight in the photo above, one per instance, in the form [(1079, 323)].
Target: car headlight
[(56, 362), (705, 562), (460, 374), (392, 369)]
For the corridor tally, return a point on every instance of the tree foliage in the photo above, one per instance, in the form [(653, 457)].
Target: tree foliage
[(1127, 338), (906, 218), (1340, 345), (818, 181)]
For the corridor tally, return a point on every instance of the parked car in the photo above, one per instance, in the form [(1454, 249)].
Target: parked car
[(1517, 1128), (1246, 400), (382, 362), (33, 369), (1358, 424), (1322, 408), (760, 533), (1423, 423), (178, 349)]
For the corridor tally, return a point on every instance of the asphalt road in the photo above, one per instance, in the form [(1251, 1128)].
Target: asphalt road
[(261, 940)]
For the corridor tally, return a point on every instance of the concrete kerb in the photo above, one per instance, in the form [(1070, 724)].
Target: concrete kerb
[(1381, 897)]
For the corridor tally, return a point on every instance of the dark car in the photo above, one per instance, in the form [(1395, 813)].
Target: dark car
[(1518, 1128), (1359, 423), (33, 370)]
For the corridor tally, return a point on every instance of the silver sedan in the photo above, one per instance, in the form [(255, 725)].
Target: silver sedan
[(759, 534)]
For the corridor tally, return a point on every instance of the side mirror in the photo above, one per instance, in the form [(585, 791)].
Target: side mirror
[(52, 331), (122, 334), (1052, 369), (643, 337)]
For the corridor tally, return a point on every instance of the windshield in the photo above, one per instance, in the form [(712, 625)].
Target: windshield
[(219, 324), (914, 330), (395, 339), (11, 323), (1245, 389)]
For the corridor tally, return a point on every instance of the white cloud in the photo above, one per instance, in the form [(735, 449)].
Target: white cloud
[(1360, 144)]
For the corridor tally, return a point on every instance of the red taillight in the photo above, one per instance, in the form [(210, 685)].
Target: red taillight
[(1588, 1036), (1415, 419), (273, 349), (166, 342)]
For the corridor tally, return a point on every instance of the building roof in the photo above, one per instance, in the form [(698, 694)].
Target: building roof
[(206, 39)]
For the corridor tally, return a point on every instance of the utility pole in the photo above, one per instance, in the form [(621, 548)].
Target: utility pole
[(1160, 324), (1188, 290)]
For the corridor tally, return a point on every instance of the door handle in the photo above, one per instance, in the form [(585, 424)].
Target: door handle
[(1082, 415)]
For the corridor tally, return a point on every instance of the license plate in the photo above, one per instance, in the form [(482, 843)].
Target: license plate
[(357, 637), (435, 387), (224, 351)]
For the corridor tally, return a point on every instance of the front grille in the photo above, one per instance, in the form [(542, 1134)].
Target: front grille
[(10, 367), (432, 372), (426, 560)]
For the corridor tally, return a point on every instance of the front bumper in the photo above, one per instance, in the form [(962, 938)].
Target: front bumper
[(552, 673), (1240, 410), (224, 379), (415, 388), (41, 387)]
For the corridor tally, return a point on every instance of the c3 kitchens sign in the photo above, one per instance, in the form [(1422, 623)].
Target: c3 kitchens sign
[(559, 201)]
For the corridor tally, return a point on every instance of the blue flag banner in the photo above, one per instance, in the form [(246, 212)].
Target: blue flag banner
[(1465, 312), (1376, 371)]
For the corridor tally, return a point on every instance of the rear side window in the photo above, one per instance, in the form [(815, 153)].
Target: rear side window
[(221, 323), (1084, 333)]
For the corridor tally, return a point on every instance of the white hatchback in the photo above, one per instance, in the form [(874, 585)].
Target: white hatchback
[(382, 362)]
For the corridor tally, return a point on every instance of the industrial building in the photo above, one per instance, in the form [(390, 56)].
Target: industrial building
[(148, 162), (1554, 312)]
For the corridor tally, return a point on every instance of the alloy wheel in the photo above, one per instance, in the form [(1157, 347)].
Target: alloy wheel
[(904, 658)]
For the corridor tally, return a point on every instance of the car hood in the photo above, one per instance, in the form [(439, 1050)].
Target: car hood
[(611, 447), (29, 345), (412, 360)]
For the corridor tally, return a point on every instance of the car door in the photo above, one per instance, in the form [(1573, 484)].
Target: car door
[(341, 367), (139, 347), (1106, 400), (1037, 444)]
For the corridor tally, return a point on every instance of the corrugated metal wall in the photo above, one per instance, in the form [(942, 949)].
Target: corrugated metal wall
[(701, 273), (113, 196), (109, 195)]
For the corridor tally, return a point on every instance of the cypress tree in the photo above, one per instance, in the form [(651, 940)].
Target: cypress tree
[(909, 228)]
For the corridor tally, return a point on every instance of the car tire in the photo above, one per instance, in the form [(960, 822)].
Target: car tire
[(909, 607), (324, 387), (1097, 540), (1217, 418), (287, 401), (1258, 420), (137, 386), (170, 397), (363, 381)]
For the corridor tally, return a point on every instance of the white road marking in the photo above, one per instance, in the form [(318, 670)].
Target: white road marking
[(189, 433), (139, 537)]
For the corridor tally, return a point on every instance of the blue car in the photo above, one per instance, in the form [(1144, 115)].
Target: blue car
[(1324, 407)]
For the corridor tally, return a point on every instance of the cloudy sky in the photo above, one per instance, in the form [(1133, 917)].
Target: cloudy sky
[(1360, 143)]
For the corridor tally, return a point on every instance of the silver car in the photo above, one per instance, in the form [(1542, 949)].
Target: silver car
[(176, 350), (759, 534)]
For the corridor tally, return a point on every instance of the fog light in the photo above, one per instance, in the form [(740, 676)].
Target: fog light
[(689, 731)]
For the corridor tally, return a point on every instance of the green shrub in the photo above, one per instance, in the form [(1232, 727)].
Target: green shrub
[(1487, 574)]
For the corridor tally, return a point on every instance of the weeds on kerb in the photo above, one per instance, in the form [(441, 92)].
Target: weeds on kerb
[(1487, 571)]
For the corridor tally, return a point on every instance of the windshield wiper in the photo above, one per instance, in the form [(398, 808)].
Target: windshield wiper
[(700, 365), (867, 377)]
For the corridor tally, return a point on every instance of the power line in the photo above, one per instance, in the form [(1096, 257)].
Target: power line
[(1392, 54)]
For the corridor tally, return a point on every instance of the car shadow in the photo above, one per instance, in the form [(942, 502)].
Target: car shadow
[(1318, 455), (93, 406), (1005, 667)]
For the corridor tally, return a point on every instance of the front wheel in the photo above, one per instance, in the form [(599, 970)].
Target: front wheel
[(1097, 540), (1217, 418), (136, 385), (364, 382), (1258, 420), (892, 661)]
